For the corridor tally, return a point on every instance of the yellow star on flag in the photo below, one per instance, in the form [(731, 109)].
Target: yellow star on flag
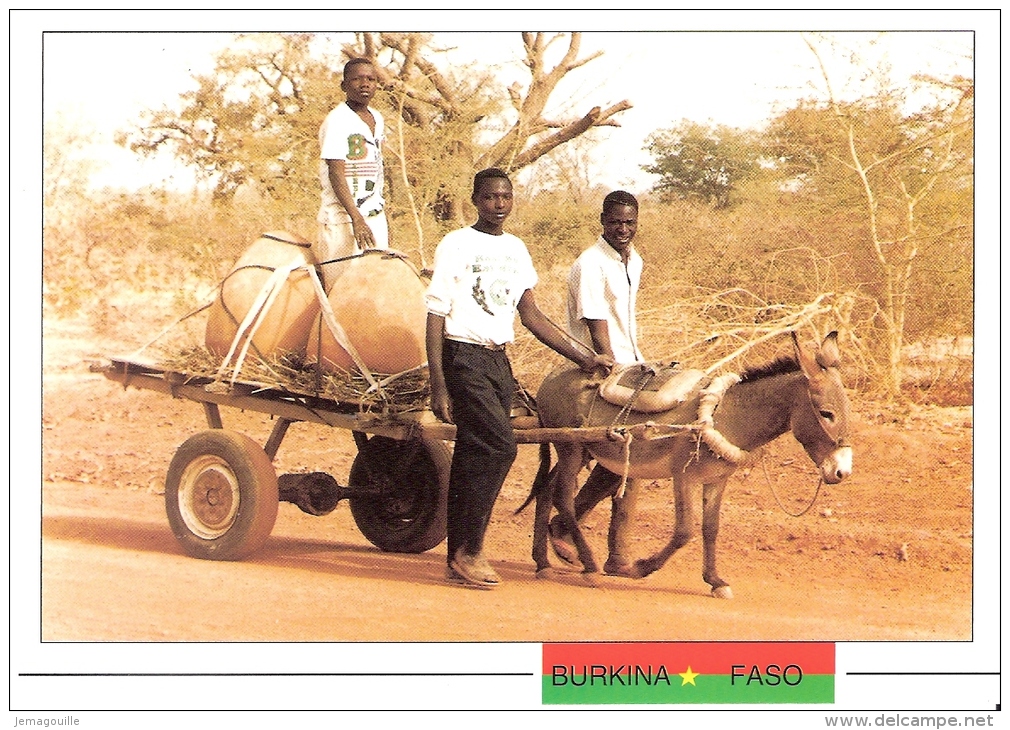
[(688, 676)]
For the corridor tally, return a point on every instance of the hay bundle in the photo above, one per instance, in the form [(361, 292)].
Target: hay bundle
[(288, 372)]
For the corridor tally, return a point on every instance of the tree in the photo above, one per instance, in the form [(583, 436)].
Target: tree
[(905, 175), (65, 165), (252, 120), (255, 118), (67, 207), (700, 161)]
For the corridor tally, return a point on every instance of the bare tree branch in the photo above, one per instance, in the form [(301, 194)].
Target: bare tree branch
[(594, 118), (509, 152)]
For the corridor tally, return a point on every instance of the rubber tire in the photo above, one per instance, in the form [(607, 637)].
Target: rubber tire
[(410, 514), (239, 521)]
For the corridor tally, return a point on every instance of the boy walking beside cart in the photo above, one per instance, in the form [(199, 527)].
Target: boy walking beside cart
[(482, 277), (602, 292)]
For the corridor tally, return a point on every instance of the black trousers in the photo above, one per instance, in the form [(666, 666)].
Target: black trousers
[(481, 387)]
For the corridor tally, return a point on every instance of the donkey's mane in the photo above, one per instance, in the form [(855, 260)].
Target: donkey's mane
[(780, 366)]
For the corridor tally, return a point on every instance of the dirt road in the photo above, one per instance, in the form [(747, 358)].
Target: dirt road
[(111, 569)]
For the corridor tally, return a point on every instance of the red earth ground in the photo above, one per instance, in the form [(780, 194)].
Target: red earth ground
[(886, 555)]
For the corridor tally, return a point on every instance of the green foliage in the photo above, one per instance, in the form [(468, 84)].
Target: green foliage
[(555, 229), (253, 120), (701, 162)]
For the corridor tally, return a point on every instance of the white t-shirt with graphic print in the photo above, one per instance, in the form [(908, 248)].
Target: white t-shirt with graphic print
[(477, 284), (345, 136)]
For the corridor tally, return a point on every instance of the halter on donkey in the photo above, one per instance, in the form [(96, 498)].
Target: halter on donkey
[(804, 395)]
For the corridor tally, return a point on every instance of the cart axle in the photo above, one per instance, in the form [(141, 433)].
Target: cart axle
[(315, 493)]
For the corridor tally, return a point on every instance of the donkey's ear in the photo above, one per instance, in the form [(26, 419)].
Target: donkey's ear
[(828, 357), (808, 364)]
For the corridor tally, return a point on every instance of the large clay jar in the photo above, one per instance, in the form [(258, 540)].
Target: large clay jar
[(286, 323), (378, 300)]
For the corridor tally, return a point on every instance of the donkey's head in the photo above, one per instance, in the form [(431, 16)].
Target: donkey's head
[(821, 421)]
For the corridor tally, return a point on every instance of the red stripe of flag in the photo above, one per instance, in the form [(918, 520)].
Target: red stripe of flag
[(703, 657)]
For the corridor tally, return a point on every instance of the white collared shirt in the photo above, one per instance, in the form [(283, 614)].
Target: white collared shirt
[(601, 287), (477, 284)]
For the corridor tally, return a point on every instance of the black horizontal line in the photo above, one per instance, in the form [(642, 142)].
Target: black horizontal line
[(275, 674), (421, 674), (922, 674)]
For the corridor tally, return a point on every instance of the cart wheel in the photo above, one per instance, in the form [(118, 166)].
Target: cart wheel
[(221, 495), (399, 491)]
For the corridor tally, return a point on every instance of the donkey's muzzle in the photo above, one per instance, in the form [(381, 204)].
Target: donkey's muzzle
[(837, 466)]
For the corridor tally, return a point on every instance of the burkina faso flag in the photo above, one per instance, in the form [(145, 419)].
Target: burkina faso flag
[(689, 673)]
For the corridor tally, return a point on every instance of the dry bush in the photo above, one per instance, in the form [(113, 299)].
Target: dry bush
[(720, 288), (683, 314), (135, 262)]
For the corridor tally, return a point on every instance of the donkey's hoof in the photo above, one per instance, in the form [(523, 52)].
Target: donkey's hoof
[(545, 573), (722, 592), (623, 570), (565, 550), (644, 567), (591, 579)]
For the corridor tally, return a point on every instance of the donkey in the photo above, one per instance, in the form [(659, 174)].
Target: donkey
[(803, 393)]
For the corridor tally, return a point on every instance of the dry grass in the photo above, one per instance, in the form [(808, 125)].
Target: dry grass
[(717, 331), (397, 393), (719, 289)]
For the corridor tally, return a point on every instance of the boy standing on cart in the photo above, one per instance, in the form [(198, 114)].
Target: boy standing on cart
[(352, 215), (482, 277)]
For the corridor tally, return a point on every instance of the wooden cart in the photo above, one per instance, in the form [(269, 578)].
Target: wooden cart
[(222, 492)]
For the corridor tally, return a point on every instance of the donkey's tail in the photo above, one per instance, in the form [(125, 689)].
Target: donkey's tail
[(543, 474)]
